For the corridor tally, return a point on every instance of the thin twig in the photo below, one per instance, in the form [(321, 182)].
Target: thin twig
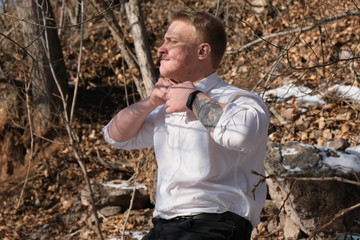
[(22, 182), (341, 213), (320, 65), (27, 88), (79, 63), (66, 26), (269, 74), (332, 220), (17, 44), (128, 213), (61, 16), (12, 29), (72, 139), (277, 116), (124, 47), (287, 196), (301, 29)]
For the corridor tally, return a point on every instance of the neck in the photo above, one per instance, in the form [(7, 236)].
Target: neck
[(197, 76)]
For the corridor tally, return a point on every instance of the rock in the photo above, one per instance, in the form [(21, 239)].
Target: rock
[(338, 144), (110, 211), (258, 5), (310, 204), (291, 230), (117, 194), (275, 223)]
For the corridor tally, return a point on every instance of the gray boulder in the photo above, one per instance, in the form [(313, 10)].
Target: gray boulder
[(314, 187), (114, 197)]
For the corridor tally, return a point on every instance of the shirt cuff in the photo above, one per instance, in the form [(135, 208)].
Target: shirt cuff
[(107, 137)]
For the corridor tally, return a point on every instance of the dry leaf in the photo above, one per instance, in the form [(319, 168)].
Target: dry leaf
[(322, 123)]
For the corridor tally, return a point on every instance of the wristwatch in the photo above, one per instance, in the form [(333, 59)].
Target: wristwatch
[(191, 99)]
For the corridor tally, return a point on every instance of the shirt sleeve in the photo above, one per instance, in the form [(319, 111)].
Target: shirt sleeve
[(243, 124), (143, 139)]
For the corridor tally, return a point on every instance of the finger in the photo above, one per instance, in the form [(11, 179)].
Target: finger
[(163, 85), (168, 103), (169, 110), (161, 89), (161, 94), (168, 94), (166, 81)]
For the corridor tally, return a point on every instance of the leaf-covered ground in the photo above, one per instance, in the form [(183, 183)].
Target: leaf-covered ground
[(49, 206)]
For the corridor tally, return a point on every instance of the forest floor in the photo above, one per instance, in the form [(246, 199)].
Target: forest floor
[(46, 203)]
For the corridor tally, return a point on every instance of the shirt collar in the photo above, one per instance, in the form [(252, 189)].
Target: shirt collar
[(208, 83)]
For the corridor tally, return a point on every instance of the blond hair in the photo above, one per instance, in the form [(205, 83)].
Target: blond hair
[(211, 31)]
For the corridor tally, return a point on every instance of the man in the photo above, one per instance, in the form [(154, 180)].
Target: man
[(207, 135)]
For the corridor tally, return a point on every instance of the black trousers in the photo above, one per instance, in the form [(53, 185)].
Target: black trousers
[(206, 226)]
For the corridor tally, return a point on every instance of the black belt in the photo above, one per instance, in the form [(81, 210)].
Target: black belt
[(226, 216)]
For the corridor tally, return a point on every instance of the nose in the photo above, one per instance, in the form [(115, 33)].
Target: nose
[(161, 50)]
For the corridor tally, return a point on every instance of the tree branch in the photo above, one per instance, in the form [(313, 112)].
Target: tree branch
[(78, 63), (301, 29), (66, 26), (17, 44)]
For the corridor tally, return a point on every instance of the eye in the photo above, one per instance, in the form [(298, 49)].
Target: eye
[(171, 40)]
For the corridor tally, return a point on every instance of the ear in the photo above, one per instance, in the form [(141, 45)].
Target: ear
[(204, 51)]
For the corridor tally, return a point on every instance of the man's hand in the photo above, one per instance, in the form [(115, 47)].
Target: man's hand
[(177, 96), (158, 95)]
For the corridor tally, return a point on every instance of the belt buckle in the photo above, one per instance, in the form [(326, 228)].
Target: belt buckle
[(181, 218)]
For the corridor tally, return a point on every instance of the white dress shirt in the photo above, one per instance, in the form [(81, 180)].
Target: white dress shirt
[(198, 173)]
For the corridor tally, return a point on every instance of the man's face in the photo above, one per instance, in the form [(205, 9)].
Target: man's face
[(179, 52)]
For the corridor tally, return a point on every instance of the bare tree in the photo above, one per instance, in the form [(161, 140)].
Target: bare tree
[(142, 50), (48, 72), (140, 62)]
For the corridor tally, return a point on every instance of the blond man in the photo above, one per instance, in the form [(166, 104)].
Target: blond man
[(208, 137)]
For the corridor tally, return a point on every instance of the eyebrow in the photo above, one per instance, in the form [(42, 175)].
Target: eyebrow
[(171, 38)]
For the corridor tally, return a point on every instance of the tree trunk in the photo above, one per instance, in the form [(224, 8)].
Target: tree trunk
[(48, 72), (132, 62), (11, 149), (142, 50)]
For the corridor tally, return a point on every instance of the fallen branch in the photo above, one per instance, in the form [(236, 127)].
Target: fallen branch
[(338, 179)]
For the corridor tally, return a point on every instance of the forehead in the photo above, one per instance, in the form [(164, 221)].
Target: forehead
[(180, 29)]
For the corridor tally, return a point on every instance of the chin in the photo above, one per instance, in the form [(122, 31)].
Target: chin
[(166, 74), (169, 74)]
